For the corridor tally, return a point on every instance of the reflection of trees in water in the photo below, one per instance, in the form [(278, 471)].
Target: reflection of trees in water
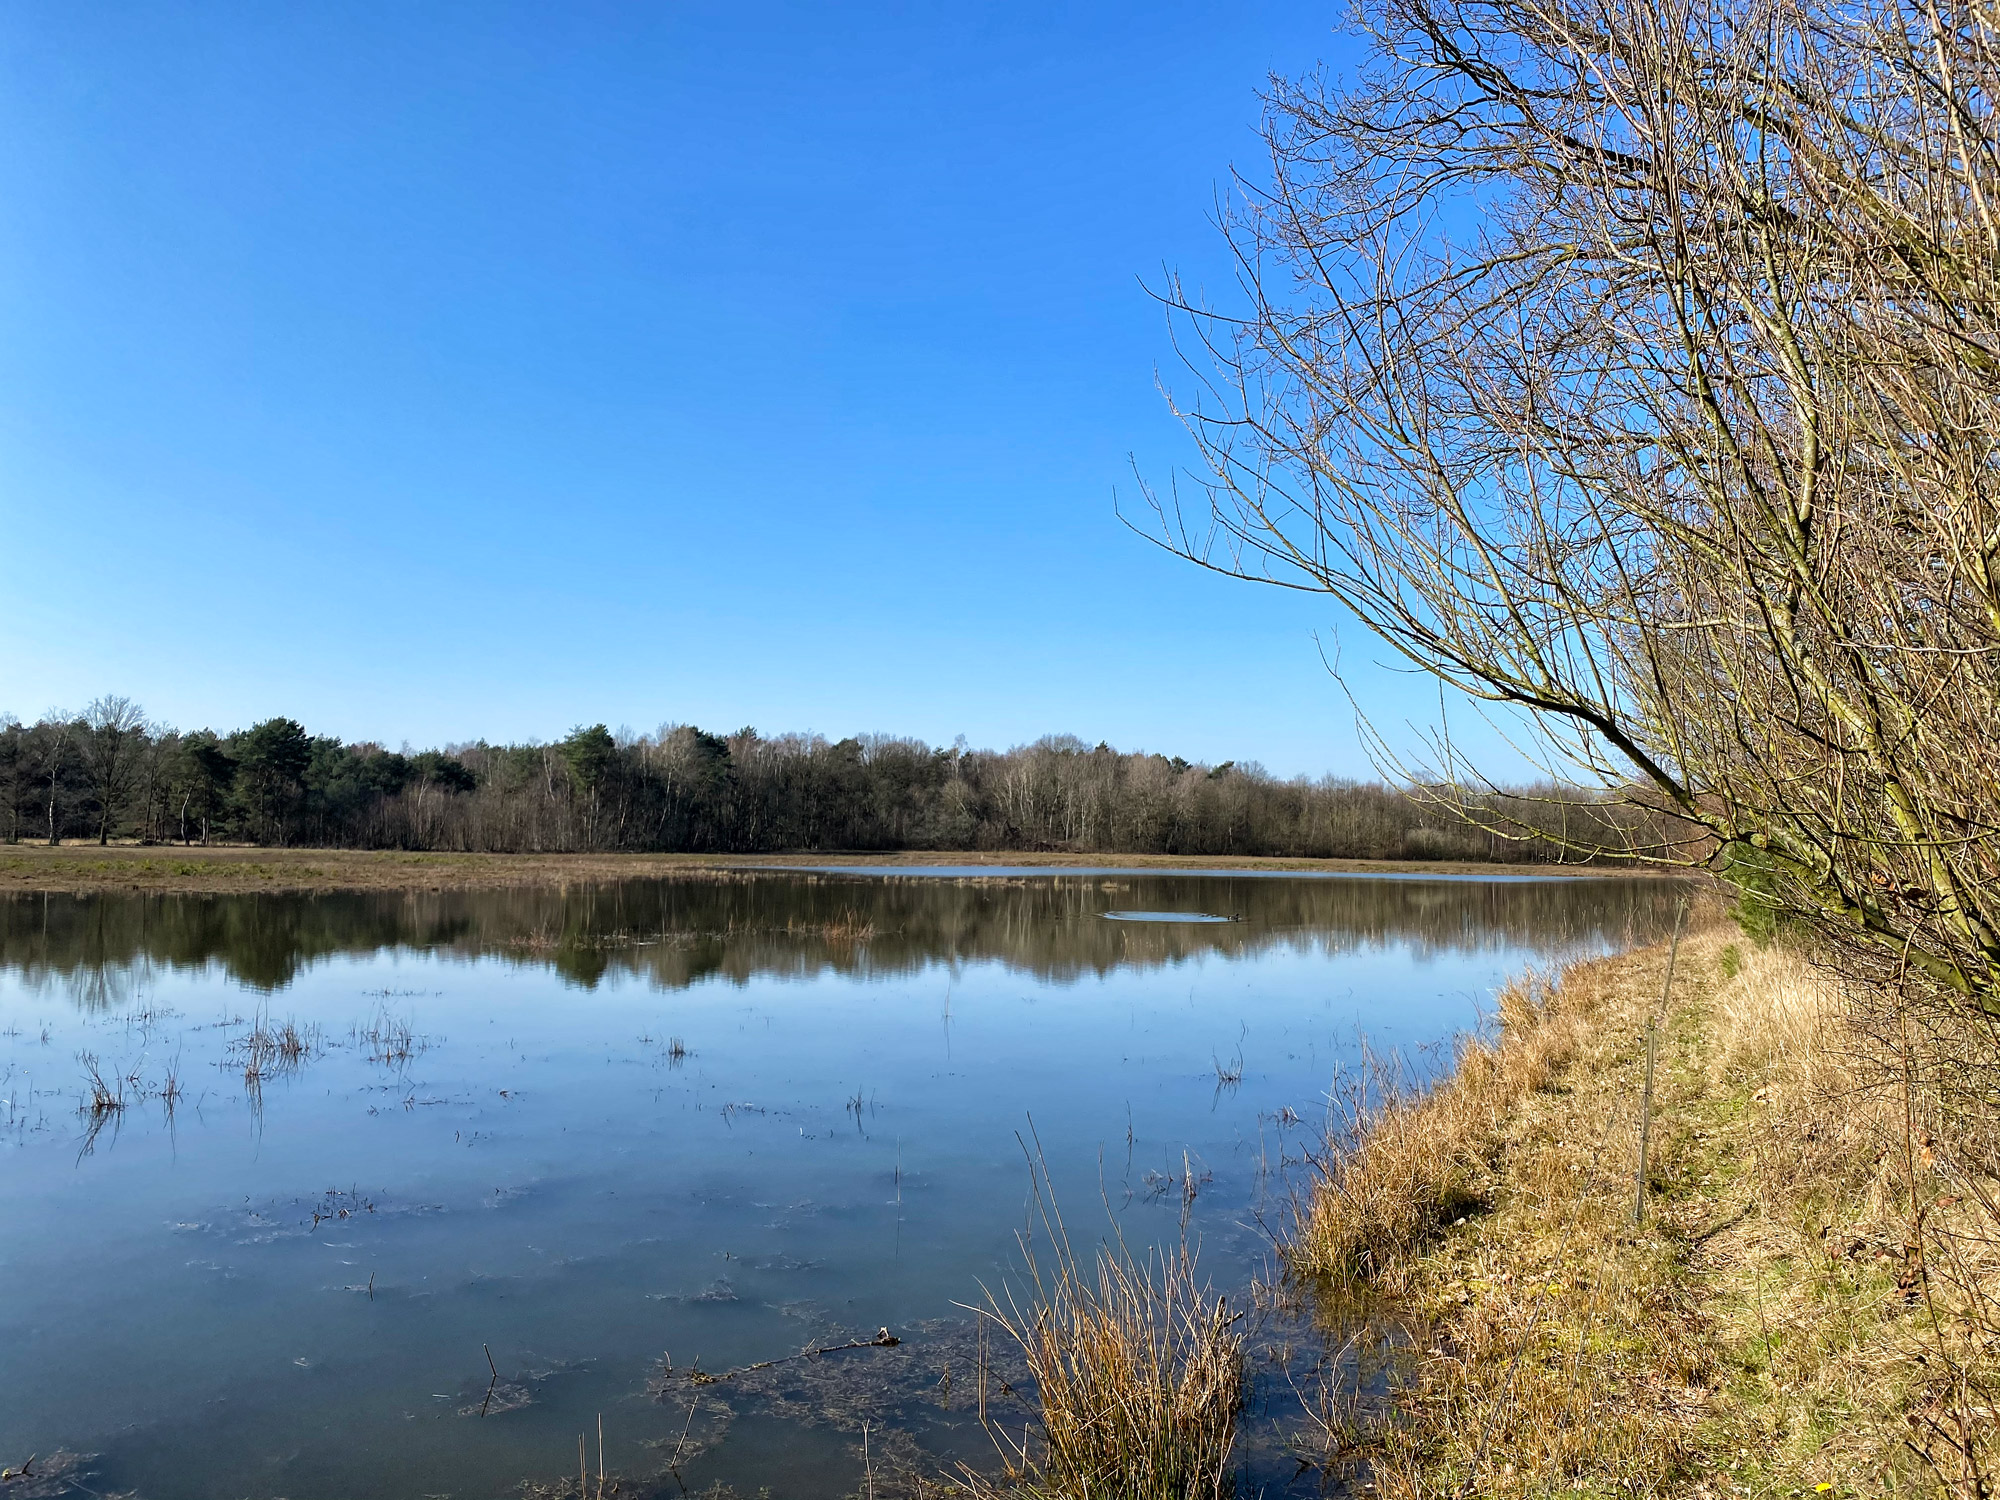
[(100, 960), (94, 987), (674, 932)]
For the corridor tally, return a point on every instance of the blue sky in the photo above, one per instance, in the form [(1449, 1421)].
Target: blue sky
[(427, 372)]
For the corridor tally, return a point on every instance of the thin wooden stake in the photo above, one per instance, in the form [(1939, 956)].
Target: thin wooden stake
[(1652, 1053), (1645, 1122)]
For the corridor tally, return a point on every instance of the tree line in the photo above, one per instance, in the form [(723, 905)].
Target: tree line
[(111, 773)]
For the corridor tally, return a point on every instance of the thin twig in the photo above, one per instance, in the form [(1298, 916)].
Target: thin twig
[(883, 1340)]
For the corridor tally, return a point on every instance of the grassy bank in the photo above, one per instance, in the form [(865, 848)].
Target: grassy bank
[(1807, 1308), (82, 867)]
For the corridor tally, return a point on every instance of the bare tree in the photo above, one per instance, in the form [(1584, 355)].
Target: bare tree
[(54, 741), (1637, 366), (116, 735)]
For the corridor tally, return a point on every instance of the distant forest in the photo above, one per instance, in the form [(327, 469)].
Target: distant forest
[(109, 773)]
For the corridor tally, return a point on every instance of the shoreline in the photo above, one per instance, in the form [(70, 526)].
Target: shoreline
[(82, 869), (1766, 1329)]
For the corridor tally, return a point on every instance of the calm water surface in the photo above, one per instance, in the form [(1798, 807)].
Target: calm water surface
[(615, 1134)]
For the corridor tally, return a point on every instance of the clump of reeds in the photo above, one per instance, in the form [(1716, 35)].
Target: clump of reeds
[(269, 1048), (170, 1090), (1138, 1371), (107, 1096), (1186, 1184), (389, 1039), (586, 1486)]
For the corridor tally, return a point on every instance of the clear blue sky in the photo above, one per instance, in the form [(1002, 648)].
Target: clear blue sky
[(435, 371)]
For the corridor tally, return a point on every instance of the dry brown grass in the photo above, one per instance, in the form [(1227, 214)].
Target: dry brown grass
[(1138, 1372), (1856, 1300), (1402, 1164), (1808, 1307), (1553, 1344)]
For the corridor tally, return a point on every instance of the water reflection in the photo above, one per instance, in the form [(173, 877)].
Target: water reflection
[(612, 1135), (737, 925)]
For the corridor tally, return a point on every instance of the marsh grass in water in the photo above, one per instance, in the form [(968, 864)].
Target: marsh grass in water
[(388, 1038), (1138, 1371), (171, 1089), (848, 927), (271, 1048), (104, 1097)]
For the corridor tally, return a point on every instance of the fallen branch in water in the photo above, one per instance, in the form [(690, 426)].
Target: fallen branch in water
[(697, 1376)]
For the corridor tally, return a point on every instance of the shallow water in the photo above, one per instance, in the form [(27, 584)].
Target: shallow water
[(616, 1133)]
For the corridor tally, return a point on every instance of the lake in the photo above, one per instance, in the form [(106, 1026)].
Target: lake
[(346, 1149)]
